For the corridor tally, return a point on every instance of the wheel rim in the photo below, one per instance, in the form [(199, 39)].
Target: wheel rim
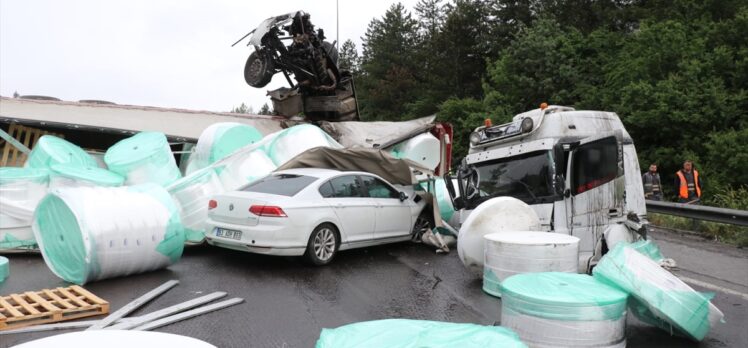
[(420, 227), (324, 244)]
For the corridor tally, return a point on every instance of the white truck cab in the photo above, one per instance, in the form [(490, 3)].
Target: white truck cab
[(577, 169)]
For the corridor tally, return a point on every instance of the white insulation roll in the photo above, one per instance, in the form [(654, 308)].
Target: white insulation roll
[(220, 140), (659, 297), (116, 339), (242, 168), (91, 233), (514, 252), (556, 309), (142, 158), (290, 142), (20, 192), (423, 149), (66, 175), (494, 215), (193, 193)]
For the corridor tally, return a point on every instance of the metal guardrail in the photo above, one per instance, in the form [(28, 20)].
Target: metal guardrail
[(700, 212)]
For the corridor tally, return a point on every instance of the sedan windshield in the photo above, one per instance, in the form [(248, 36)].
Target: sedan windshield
[(280, 184), (526, 177)]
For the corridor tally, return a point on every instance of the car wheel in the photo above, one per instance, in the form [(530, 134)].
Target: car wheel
[(322, 245), (258, 71), (423, 224)]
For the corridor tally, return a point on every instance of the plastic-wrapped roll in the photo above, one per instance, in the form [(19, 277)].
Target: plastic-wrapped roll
[(20, 192), (65, 175), (446, 209), (91, 233), (242, 168), (514, 252), (193, 193), (220, 140), (4, 268), (116, 339), (659, 297), (405, 333), (142, 158), (51, 150), (494, 215), (295, 140), (564, 310), (423, 149)]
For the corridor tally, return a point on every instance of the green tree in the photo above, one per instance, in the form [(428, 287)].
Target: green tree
[(265, 110), (242, 109), (348, 58)]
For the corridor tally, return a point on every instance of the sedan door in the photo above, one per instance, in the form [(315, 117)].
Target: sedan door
[(356, 212), (393, 215)]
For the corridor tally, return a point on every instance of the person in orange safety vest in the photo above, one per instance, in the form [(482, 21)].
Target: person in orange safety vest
[(688, 184)]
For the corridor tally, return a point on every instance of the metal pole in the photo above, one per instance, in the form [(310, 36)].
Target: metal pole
[(167, 311), (189, 314), (337, 25), (133, 305)]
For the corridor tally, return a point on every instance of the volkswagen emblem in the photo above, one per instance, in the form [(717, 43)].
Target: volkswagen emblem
[(231, 206)]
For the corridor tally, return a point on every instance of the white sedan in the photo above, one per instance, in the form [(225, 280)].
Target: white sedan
[(315, 212)]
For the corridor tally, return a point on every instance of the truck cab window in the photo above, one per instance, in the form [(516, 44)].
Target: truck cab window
[(594, 164), (526, 177)]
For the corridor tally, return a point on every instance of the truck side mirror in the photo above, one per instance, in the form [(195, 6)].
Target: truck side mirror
[(559, 184)]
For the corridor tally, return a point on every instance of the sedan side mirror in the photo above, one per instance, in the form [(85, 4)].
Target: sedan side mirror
[(403, 196)]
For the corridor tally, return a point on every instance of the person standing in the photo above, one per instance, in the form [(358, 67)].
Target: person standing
[(651, 181), (688, 184)]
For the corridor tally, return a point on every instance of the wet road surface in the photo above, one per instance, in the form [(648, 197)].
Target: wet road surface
[(288, 302)]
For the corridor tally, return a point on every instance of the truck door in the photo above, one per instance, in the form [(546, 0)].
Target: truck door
[(595, 190)]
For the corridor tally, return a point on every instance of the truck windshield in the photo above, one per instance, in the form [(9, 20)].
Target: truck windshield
[(526, 177)]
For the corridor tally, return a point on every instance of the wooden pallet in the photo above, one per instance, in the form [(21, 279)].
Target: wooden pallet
[(49, 306), (28, 136)]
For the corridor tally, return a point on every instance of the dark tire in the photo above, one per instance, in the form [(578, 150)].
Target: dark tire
[(259, 70), (423, 223), (323, 245)]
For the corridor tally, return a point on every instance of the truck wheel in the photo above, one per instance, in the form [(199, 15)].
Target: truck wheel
[(322, 246), (259, 70)]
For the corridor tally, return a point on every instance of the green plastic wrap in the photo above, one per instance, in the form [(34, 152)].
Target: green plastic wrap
[(193, 193), (51, 150), (446, 210), (228, 139), (563, 296), (9, 175), (92, 233), (405, 333), (142, 158), (659, 297), (4, 269), (291, 142), (649, 249), (86, 174)]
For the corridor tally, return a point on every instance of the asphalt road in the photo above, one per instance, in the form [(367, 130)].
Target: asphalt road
[(288, 303)]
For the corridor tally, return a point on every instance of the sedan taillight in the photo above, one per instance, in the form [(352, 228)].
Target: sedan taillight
[(267, 210), (212, 204)]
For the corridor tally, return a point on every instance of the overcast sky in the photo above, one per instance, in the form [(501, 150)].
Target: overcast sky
[(169, 53)]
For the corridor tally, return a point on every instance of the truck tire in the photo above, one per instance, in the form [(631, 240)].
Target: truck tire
[(259, 69)]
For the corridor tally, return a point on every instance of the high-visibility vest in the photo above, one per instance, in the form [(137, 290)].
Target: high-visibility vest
[(683, 192)]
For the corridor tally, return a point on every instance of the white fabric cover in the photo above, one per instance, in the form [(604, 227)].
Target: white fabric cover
[(549, 333)]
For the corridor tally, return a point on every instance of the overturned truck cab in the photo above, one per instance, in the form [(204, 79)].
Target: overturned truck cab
[(577, 169)]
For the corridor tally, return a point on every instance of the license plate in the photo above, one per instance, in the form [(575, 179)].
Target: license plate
[(231, 234)]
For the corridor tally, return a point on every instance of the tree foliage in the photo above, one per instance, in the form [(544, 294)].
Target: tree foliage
[(675, 71)]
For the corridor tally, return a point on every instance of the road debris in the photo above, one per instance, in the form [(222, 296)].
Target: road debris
[(49, 306)]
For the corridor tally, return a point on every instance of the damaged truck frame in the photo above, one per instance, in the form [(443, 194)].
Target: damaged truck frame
[(577, 169)]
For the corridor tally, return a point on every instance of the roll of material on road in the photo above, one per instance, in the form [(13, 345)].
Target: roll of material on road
[(4, 269), (193, 193), (116, 339), (142, 158), (92, 233), (494, 215), (563, 310), (51, 150), (659, 297), (66, 175), (20, 192), (515, 252), (220, 140)]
